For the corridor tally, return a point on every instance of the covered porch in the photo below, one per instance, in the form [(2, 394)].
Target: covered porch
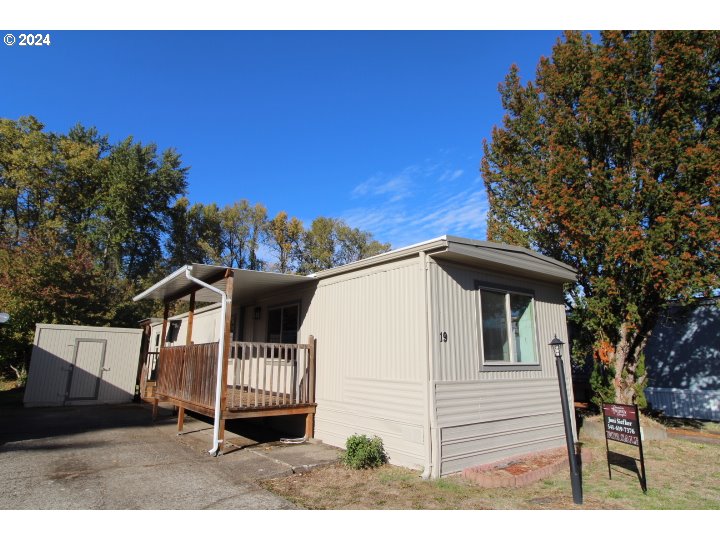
[(227, 378)]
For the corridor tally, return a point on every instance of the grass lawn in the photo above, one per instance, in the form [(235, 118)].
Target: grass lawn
[(681, 475)]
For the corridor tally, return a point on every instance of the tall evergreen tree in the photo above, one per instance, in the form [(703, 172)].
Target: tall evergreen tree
[(138, 193), (610, 161)]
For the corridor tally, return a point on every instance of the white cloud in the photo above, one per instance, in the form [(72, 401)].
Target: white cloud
[(407, 222), (420, 202), (465, 211), (450, 175), (395, 187)]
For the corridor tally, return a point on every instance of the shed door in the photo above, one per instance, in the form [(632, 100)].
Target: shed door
[(87, 370)]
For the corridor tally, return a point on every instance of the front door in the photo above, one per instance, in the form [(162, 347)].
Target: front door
[(87, 369)]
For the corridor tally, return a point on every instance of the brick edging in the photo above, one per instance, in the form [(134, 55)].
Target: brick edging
[(493, 476)]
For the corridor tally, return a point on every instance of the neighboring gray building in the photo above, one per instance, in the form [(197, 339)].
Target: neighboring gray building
[(440, 348), (683, 362), (81, 365)]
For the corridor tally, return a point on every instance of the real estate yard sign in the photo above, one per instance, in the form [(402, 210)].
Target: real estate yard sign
[(622, 424)]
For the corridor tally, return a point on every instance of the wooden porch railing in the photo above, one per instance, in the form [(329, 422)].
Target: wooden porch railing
[(188, 373), (271, 375), (260, 375)]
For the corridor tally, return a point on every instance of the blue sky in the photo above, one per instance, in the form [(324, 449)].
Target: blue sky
[(382, 129)]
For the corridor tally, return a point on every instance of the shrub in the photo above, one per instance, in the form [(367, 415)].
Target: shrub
[(363, 452), (601, 382)]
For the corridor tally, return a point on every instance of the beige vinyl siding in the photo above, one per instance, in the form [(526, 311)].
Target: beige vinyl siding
[(52, 360), (371, 364), (371, 367), (484, 421), (483, 416)]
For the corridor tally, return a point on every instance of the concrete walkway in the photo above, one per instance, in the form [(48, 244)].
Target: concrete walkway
[(115, 457)]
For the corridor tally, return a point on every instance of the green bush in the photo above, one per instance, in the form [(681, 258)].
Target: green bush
[(363, 453), (601, 382)]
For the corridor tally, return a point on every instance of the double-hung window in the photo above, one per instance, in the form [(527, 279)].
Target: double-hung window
[(506, 328)]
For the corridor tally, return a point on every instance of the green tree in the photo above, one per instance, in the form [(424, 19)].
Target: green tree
[(81, 224), (27, 169), (610, 161), (195, 234), (354, 244), (138, 193), (242, 231), (258, 233), (318, 247), (331, 242), (48, 180), (284, 237), (235, 231), (77, 183), (39, 282)]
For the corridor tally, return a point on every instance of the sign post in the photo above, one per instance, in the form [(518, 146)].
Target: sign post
[(622, 424)]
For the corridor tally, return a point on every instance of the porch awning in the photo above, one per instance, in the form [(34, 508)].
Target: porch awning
[(247, 284)]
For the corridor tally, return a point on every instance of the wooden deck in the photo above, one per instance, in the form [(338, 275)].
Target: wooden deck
[(265, 379)]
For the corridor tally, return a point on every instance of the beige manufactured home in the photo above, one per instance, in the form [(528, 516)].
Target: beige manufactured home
[(440, 348)]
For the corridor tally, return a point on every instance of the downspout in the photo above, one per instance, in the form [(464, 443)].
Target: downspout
[(221, 351), (430, 394)]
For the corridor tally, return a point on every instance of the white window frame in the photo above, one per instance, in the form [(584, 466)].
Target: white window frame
[(513, 364)]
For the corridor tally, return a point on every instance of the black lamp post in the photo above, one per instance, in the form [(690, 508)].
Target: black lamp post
[(575, 480)]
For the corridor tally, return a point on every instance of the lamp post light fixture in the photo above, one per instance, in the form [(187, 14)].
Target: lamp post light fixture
[(4, 317), (575, 480)]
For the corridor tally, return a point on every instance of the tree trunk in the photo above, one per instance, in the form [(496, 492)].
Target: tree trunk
[(624, 388), (627, 353)]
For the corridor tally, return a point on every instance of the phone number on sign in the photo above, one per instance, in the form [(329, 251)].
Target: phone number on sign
[(27, 40)]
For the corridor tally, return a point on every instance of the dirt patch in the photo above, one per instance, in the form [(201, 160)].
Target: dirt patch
[(534, 462), (70, 469)]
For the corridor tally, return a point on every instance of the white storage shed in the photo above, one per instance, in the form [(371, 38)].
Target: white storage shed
[(78, 365)]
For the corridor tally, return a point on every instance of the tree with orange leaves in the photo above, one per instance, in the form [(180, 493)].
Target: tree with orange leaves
[(609, 160)]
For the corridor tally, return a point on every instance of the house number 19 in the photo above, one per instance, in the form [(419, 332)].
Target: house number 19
[(443, 337)]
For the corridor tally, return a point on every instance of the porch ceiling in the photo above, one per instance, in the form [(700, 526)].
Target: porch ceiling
[(247, 284)]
